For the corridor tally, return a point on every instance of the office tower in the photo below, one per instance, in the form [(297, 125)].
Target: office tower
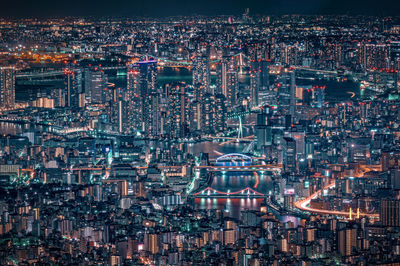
[(220, 113), (95, 85), (232, 87), (201, 73), (390, 212), (7, 87), (73, 87), (177, 107)]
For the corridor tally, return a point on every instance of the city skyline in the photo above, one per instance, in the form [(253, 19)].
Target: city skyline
[(238, 140)]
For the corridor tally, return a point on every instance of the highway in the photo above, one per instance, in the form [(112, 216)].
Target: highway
[(304, 205)]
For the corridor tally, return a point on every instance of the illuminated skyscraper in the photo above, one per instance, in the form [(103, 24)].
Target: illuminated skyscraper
[(254, 88), (287, 92), (7, 86), (201, 73), (143, 97), (147, 76), (222, 68), (133, 100), (292, 108), (220, 113), (259, 80), (347, 240), (232, 87), (195, 116), (73, 87), (208, 112), (95, 85), (177, 108), (390, 212), (152, 124)]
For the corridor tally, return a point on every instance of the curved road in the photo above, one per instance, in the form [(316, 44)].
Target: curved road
[(303, 205)]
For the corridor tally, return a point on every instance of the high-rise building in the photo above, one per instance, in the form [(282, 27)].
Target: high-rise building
[(151, 243), (208, 112), (201, 73), (95, 85), (143, 100), (232, 87), (263, 128), (289, 154), (177, 107), (390, 212), (147, 76), (7, 86), (133, 101), (254, 88), (152, 123), (347, 240), (287, 92), (220, 113), (222, 68), (195, 116), (73, 87), (292, 108)]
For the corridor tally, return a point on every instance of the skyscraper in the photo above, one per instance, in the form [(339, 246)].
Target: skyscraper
[(292, 108), (7, 86), (222, 68), (201, 73), (220, 113), (147, 76), (147, 94), (390, 212), (95, 85), (254, 88), (208, 109), (152, 124), (133, 100), (177, 108), (73, 87), (232, 87)]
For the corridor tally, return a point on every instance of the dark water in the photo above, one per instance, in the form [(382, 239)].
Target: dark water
[(334, 90), (235, 181)]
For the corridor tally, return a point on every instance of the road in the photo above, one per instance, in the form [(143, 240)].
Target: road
[(304, 205)]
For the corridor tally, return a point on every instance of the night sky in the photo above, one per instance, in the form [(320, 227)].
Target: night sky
[(157, 8)]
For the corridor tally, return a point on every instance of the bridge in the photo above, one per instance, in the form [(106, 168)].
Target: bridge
[(55, 73), (213, 193), (39, 74), (303, 205), (249, 168)]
